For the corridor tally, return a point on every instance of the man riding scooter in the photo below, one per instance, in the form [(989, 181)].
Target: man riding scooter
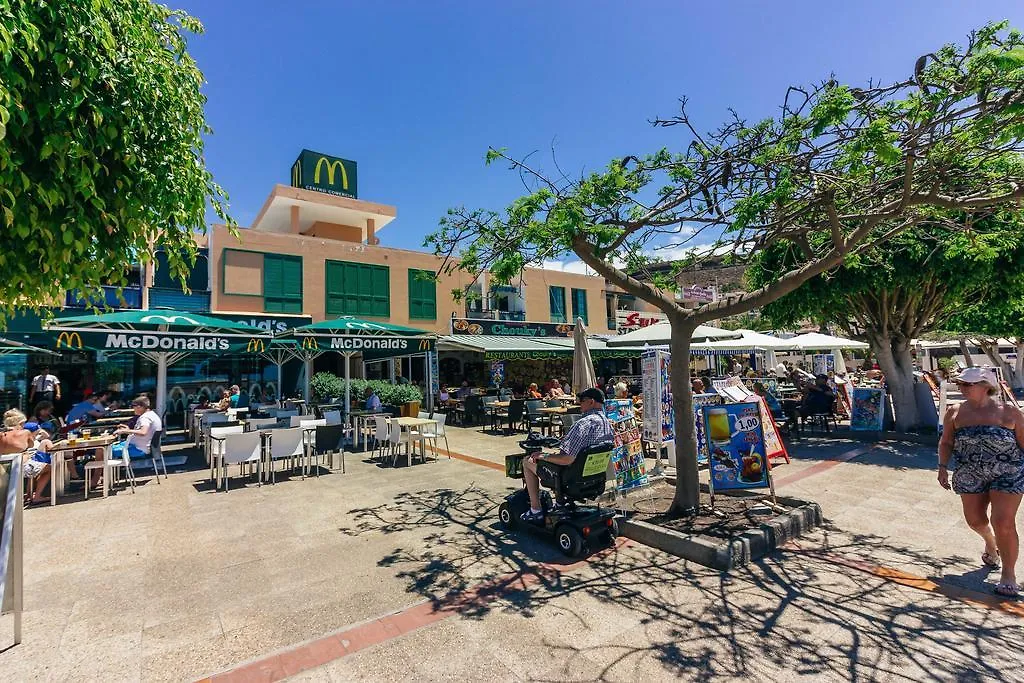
[(591, 429)]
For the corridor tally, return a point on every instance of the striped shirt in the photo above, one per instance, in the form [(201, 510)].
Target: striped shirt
[(591, 429)]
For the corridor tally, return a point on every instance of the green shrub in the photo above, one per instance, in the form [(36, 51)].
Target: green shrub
[(326, 386)]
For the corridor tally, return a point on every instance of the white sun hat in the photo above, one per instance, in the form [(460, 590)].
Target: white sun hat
[(976, 374)]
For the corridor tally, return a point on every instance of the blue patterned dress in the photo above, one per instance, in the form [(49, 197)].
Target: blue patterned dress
[(987, 458)]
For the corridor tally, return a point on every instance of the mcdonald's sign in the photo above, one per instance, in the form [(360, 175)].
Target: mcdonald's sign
[(324, 173), (257, 345), (425, 344), (69, 340), (310, 343)]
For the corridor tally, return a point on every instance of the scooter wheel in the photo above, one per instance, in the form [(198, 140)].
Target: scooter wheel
[(505, 515), (613, 530), (570, 541)]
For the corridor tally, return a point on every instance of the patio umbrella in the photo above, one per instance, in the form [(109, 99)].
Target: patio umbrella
[(277, 351), (583, 376), (350, 336), (161, 336), (661, 333), (9, 346)]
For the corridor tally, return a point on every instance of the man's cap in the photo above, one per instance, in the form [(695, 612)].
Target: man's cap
[(32, 426), (821, 375), (976, 374), (595, 394)]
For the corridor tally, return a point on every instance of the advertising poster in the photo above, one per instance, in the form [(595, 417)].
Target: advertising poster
[(652, 392), (823, 363), (773, 445), (867, 412), (435, 375), (497, 373), (699, 401), (735, 441), (628, 454)]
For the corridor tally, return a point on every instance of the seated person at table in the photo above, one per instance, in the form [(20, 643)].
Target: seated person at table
[(89, 408), (225, 401), (464, 390), (147, 424), (233, 396), (566, 387), (621, 390), (769, 398), (44, 417), (590, 430), (697, 385), (19, 437), (444, 397), (532, 392), (372, 400), (556, 390), (818, 397)]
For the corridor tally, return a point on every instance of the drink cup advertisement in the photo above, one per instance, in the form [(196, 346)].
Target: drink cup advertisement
[(497, 373), (868, 411), (699, 401), (735, 441)]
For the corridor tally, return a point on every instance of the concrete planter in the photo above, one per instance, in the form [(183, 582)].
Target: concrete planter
[(728, 554)]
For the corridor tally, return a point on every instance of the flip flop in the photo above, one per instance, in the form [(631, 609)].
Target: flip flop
[(1007, 590), (991, 560)]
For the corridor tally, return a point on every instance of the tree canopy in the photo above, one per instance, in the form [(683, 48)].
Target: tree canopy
[(839, 167), (101, 140)]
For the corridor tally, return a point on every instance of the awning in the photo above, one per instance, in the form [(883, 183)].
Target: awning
[(527, 348)]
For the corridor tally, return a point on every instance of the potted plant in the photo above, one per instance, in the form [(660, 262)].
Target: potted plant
[(114, 377)]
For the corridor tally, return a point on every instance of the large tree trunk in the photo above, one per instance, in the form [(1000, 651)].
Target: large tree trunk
[(991, 349), (896, 361), (687, 497), (1018, 366), (966, 352)]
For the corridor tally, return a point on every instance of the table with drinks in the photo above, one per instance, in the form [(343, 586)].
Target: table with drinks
[(76, 441)]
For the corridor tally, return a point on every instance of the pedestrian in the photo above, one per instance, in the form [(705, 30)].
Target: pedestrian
[(44, 387), (981, 442)]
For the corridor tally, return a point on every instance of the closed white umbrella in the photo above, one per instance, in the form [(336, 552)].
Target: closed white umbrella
[(583, 376)]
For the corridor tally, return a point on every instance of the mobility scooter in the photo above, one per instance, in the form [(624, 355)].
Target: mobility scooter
[(576, 528)]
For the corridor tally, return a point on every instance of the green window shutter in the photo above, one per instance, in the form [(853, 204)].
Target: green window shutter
[(282, 283), (579, 305), (556, 299), (422, 295), (357, 289)]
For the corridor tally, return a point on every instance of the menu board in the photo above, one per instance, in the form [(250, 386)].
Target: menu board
[(823, 363), (867, 412), (628, 454), (658, 418), (735, 440)]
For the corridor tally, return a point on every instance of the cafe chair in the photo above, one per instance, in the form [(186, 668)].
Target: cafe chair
[(156, 454), (110, 469), (535, 418), (330, 439), (240, 449), (398, 437), (258, 423), (381, 435), (332, 417), (435, 431), (516, 414), (286, 444)]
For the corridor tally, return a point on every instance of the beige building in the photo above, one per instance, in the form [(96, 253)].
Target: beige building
[(319, 254)]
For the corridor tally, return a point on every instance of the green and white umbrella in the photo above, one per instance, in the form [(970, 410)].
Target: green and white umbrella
[(9, 346), (351, 336), (162, 336)]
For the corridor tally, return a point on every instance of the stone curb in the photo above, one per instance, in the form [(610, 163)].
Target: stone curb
[(737, 552)]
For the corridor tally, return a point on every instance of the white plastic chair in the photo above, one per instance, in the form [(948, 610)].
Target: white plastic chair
[(258, 423), (296, 420), (333, 417), (240, 449), (433, 432), (286, 444), (209, 419), (109, 467), (215, 447), (381, 434), (396, 437), (282, 414)]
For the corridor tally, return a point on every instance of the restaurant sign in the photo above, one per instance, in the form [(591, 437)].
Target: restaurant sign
[(629, 321), (378, 347), (271, 323), (527, 355), (145, 341), (510, 328), (324, 173)]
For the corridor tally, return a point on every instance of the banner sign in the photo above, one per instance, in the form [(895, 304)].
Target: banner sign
[(150, 341), (699, 401), (628, 321), (527, 355), (698, 293), (735, 441), (867, 412), (510, 328), (628, 454), (823, 363), (384, 346), (271, 323), (497, 373), (324, 173)]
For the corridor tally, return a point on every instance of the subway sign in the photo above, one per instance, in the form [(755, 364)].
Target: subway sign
[(324, 173)]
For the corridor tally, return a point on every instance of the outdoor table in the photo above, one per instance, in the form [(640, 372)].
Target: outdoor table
[(494, 407), (358, 421), (554, 411), (58, 465), (105, 422), (411, 423), (121, 412)]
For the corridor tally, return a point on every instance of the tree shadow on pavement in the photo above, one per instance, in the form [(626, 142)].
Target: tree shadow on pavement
[(899, 455), (792, 614)]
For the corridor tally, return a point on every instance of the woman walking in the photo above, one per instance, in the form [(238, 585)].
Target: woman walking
[(981, 442)]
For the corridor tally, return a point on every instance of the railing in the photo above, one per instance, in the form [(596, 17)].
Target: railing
[(11, 540), (129, 297), (494, 314)]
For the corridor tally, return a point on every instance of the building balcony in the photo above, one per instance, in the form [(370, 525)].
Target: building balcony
[(494, 314), (127, 298)]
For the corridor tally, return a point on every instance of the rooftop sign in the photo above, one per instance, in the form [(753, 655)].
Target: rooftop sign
[(324, 173)]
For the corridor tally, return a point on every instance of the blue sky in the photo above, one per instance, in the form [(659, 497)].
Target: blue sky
[(415, 91)]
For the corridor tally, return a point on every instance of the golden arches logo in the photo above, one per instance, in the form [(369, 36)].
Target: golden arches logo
[(332, 166), (71, 340), (256, 345), (424, 344), (310, 343)]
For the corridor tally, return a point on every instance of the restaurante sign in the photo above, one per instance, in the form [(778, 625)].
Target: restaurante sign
[(510, 328)]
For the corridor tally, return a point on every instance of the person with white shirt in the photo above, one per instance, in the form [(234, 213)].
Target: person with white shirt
[(44, 387), (140, 437)]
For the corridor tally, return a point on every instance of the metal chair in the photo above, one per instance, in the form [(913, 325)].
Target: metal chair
[(330, 439), (156, 454)]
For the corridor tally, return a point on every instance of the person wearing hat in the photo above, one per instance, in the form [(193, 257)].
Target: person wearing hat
[(981, 443), (818, 397), (591, 429), (44, 387)]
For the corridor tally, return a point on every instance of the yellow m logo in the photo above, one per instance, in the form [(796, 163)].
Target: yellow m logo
[(310, 343), (71, 340), (332, 166), (424, 344), (255, 345)]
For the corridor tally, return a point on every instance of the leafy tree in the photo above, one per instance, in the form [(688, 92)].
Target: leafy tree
[(101, 141), (839, 162), (902, 288)]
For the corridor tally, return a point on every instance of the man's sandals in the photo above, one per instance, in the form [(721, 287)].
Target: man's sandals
[(1007, 590), (991, 560)]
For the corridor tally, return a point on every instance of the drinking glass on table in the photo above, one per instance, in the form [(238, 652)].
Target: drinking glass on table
[(72, 438), (86, 433)]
